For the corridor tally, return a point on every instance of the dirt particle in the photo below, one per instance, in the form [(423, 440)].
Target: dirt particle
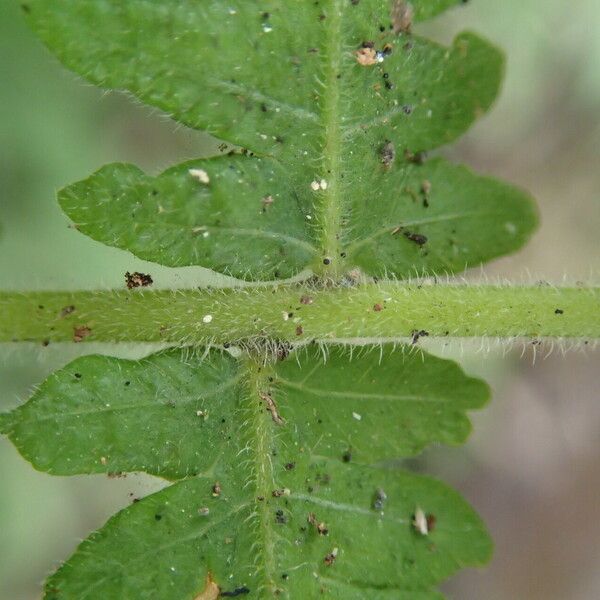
[(290, 466), (559, 311), (388, 154), (266, 202), (377, 307), (320, 526), (347, 456), (67, 310), (306, 300), (241, 591), (204, 511), (281, 492), (379, 499), (80, 333), (137, 279), (417, 238), (331, 557), (299, 330), (402, 16), (417, 334), (103, 461), (280, 517), (426, 187), (216, 489)]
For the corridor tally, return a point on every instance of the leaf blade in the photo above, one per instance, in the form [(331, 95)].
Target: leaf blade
[(243, 220), (172, 540), (227, 71), (107, 415)]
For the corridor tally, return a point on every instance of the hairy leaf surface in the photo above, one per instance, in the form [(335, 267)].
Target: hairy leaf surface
[(332, 121), (269, 447), (170, 542), (174, 415)]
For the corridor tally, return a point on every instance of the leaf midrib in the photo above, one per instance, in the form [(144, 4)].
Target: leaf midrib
[(329, 213)]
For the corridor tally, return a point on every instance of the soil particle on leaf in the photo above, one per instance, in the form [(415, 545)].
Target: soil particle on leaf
[(379, 499), (377, 307), (559, 311), (417, 238), (266, 202), (80, 333), (280, 517), (290, 466), (347, 456), (66, 311), (280, 492), (331, 557), (216, 489), (388, 154), (299, 330), (137, 279), (320, 526), (241, 591), (417, 334), (306, 300)]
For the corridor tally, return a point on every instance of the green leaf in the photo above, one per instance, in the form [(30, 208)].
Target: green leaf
[(246, 221), (173, 415), (269, 445), (355, 128), (377, 405), (167, 415), (168, 543)]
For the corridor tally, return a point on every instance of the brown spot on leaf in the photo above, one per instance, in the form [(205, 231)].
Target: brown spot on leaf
[(211, 590), (80, 333), (306, 300)]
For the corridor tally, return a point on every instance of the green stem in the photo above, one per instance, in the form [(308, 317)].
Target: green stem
[(384, 311)]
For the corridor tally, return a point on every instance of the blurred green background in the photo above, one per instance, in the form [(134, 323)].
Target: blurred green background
[(531, 467)]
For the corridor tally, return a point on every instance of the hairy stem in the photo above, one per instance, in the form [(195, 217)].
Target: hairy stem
[(297, 313)]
